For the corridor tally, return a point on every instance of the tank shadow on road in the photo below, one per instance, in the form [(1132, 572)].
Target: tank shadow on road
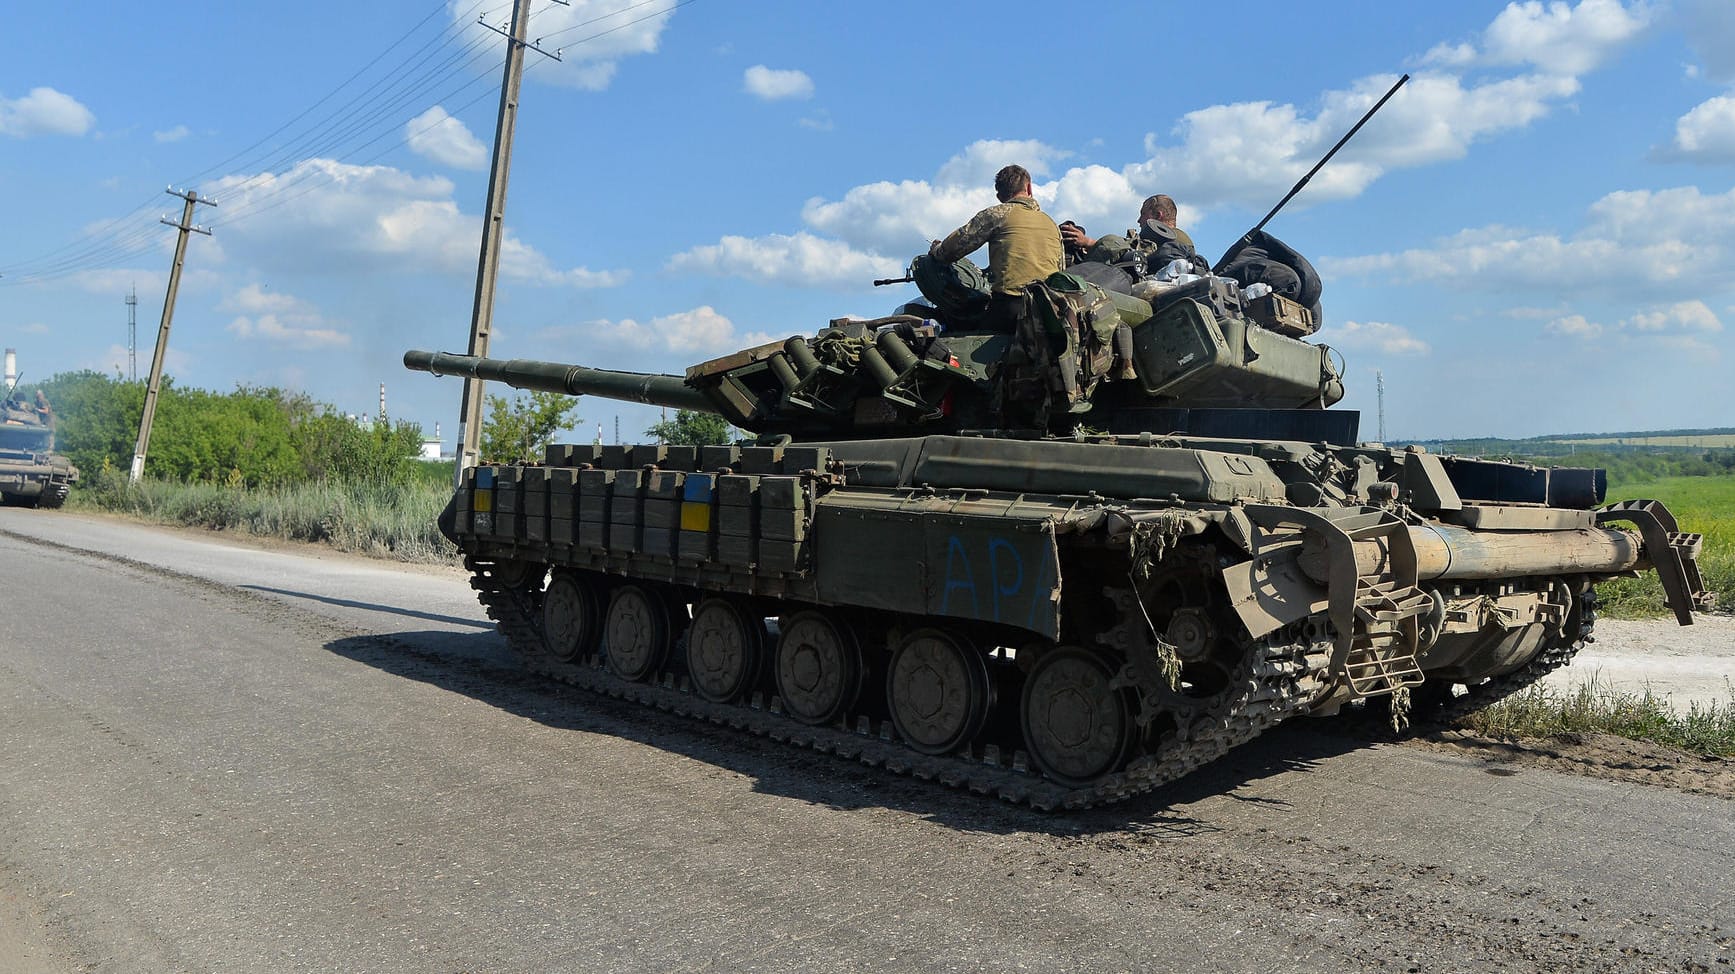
[(479, 666), (373, 606)]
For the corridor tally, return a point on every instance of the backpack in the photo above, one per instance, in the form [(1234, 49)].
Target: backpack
[(1260, 258)]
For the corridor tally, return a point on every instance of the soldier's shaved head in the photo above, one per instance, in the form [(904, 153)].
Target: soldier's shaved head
[(1160, 208)]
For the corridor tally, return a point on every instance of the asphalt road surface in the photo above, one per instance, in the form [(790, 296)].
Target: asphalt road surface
[(221, 758)]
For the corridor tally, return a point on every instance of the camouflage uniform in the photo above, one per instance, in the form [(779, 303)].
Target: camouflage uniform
[(1023, 244)]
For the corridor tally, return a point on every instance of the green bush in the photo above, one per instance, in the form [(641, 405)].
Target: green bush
[(249, 437)]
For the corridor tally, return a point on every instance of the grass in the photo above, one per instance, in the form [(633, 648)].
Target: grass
[(391, 521), (1542, 712), (1702, 505)]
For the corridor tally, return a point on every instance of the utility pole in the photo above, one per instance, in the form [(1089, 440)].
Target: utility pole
[(133, 332), (493, 226), (185, 226), (1380, 384)]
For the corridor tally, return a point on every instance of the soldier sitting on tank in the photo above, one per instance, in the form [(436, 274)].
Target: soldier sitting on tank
[(1023, 246), (1149, 248)]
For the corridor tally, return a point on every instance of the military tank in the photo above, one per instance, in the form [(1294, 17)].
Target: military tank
[(31, 473), (1061, 565)]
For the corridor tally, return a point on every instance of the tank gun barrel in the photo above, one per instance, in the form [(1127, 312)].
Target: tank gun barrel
[(574, 380)]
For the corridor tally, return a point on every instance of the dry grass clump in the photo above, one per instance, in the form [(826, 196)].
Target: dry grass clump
[(1594, 708), (388, 520)]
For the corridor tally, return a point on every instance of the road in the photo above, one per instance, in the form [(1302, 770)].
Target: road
[(224, 758)]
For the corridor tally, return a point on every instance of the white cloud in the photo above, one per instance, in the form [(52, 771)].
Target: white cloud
[(1681, 325), (1247, 153), (438, 136), (1451, 55), (1563, 39), (288, 331), (1691, 316), (1377, 336), (44, 112), (1642, 243), (592, 37), (1098, 198), (900, 218), (1707, 133), (33, 328), (1573, 326), (895, 217), (819, 121), (1250, 153), (353, 219), (773, 84), (254, 299), (976, 165), (175, 134), (699, 331), (801, 260), (281, 319)]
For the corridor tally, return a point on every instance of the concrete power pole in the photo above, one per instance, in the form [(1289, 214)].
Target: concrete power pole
[(133, 333), (493, 227), (1380, 384), (185, 226)]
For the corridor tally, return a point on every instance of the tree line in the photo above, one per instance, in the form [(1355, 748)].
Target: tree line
[(1638, 466), (254, 437), (271, 437)]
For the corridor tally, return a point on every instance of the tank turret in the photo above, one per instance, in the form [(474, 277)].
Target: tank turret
[(1192, 360)]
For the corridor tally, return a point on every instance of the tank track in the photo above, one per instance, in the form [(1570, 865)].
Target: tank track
[(1268, 689)]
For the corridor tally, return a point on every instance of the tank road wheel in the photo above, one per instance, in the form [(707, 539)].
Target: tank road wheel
[(818, 668), (725, 650), (520, 574), (938, 691), (638, 632), (1077, 726), (571, 621)]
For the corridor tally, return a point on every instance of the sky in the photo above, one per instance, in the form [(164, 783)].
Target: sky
[(1535, 236)]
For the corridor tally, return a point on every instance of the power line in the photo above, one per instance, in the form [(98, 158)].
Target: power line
[(90, 248), (336, 130), (311, 177), (25, 267), (596, 20)]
